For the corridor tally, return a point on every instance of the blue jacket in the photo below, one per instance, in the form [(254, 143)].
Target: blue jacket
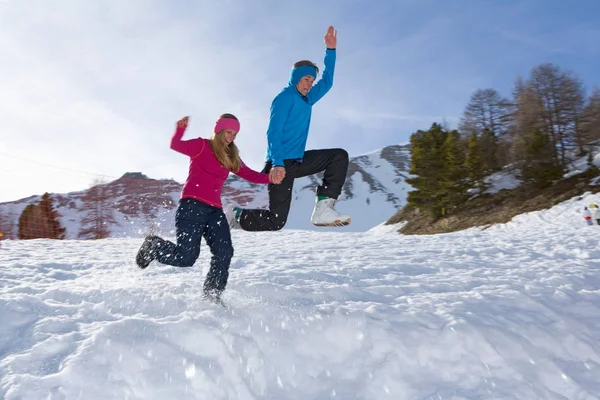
[(290, 116)]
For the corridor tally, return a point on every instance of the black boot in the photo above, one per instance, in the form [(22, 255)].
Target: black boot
[(145, 254)]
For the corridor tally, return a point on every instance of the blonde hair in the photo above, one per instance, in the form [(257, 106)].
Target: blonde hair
[(227, 154)]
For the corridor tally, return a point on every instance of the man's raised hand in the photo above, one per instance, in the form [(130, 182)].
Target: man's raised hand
[(331, 38)]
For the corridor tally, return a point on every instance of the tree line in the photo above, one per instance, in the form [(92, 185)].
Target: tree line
[(546, 124), (41, 221)]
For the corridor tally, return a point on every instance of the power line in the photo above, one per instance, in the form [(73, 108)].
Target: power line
[(56, 166)]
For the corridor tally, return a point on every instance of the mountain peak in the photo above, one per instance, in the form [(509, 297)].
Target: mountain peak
[(134, 175)]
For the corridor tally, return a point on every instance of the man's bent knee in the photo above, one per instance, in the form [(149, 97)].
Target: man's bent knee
[(343, 154)]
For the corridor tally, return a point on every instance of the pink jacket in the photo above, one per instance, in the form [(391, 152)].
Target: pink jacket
[(207, 175)]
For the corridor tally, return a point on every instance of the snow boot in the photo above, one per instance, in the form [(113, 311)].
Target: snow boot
[(145, 254), (324, 214)]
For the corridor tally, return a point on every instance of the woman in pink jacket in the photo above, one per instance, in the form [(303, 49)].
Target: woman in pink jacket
[(200, 213)]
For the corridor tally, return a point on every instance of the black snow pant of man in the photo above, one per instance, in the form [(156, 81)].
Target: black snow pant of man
[(334, 163), (193, 221)]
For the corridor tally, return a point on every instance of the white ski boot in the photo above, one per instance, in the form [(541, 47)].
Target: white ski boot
[(325, 214)]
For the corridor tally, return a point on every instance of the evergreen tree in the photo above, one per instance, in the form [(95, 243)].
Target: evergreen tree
[(27, 223), (488, 145), (454, 173), (475, 164), (426, 164), (40, 221), (437, 160), (54, 229), (539, 166)]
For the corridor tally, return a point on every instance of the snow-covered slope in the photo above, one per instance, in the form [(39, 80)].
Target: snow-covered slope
[(510, 312)]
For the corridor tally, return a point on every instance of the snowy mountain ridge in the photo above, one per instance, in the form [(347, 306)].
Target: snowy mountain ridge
[(375, 189)]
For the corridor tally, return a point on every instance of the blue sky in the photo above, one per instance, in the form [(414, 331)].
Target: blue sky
[(95, 87)]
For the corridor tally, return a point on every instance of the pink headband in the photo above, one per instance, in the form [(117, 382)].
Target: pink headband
[(227, 123)]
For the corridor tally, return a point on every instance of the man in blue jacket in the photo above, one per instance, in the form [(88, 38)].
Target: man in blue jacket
[(286, 156)]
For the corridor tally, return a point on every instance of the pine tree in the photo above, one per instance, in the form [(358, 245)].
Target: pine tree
[(454, 173), (436, 162), (475, 164), (539, 166), (40, 221), (426, 163), (27, 223), (54, 229), (489, 150)]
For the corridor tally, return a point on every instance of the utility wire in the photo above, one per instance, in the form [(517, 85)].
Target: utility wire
[(56, 166)]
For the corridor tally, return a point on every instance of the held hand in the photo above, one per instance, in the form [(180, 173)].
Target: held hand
[(276, 175), (183, 123), (273, 177), (331, 38)]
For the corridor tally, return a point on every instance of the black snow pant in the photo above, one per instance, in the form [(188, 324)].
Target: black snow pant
[(194, 220), (334, 163)]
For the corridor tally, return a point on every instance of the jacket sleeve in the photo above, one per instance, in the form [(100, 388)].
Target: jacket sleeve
[(326, 82), (251, 175), (280, 109), (192, 147)]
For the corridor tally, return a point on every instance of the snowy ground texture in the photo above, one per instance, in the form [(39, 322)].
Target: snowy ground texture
[(510, 312)]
